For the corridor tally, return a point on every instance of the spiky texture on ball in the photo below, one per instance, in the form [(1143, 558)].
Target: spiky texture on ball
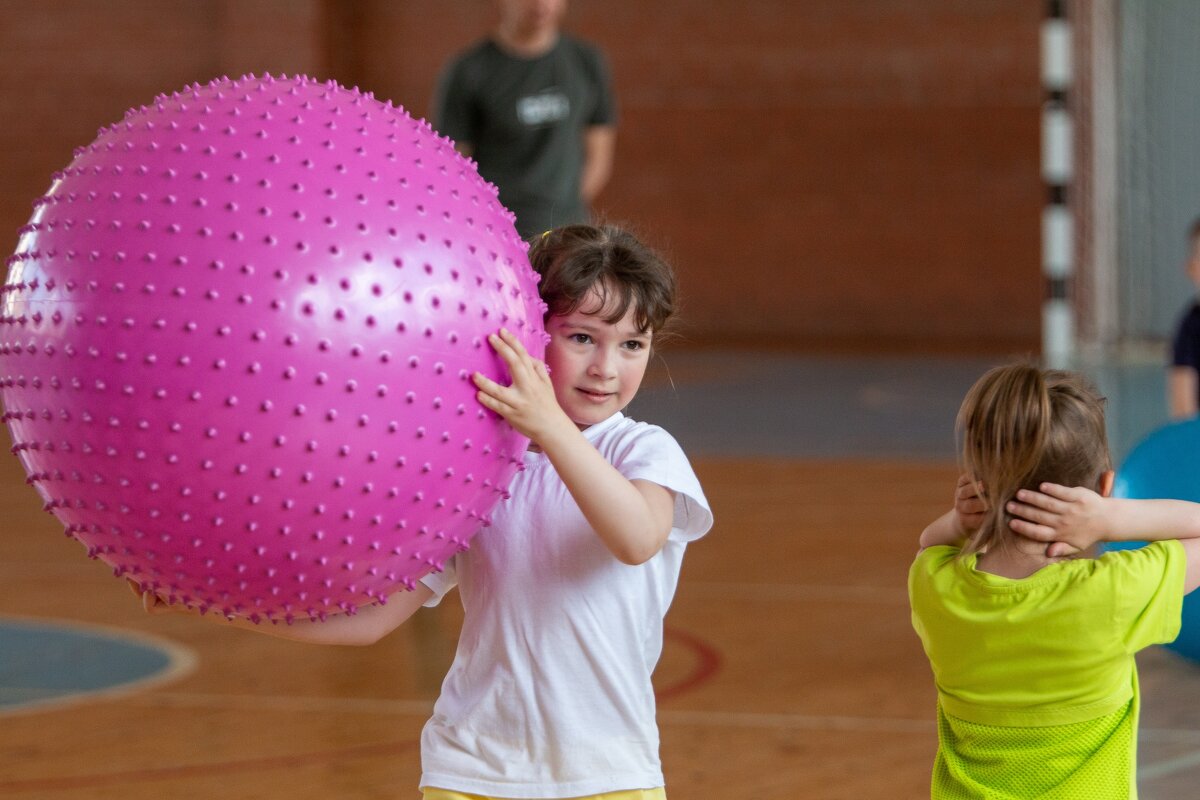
[(236, 342)]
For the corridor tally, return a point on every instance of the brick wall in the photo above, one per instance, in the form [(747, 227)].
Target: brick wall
[(825, 174)]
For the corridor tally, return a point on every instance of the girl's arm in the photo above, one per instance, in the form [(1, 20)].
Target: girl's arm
[(367, 626), (1076, 518), (943, 530), (1080, 517), (632, 518)]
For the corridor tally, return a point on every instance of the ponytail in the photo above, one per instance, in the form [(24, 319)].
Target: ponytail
[(1020, 426)]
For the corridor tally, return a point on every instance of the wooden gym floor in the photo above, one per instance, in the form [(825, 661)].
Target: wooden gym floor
[(790, 669)]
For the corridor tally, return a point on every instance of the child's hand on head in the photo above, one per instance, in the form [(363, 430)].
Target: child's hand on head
[(969, 504), (959, 523), (1069, 519), (528, 403)]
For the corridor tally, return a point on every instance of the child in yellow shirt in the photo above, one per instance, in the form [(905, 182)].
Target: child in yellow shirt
[(1032, 649)]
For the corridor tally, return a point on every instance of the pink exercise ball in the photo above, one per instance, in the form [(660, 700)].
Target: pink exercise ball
[(236, 344)]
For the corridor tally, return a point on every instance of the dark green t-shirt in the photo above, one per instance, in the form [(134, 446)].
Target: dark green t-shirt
[(524, 120)]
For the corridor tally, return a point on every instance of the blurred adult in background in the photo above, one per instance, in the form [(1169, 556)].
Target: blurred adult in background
[(534, 108), (1183, 375)]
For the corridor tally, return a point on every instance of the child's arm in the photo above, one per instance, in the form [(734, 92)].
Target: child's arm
[(1181, 392), (1079, 517), (1072, 519), (632, 518), (943, 530), (964, 519), (367, 626)]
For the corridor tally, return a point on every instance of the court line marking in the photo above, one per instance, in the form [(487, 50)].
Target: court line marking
[(366, 705), (285, 703), (893, 595), (707, 663), (1169, 766), (1161, 769), (1170, 735), (807, 722), (884, 595), (149, 774), (37, 570), (181, 661), (713, 719)]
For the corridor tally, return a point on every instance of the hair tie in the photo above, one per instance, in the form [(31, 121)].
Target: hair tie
[(546, 233)]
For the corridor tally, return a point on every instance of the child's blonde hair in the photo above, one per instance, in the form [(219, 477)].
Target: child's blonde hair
[(1020, 426)]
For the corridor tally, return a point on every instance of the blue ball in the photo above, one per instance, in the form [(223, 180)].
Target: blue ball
[(1167, 464)]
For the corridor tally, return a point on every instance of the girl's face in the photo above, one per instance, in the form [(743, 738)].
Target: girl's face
[(595, 366)]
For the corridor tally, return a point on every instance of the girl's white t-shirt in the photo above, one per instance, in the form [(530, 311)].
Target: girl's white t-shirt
[(549, 694)]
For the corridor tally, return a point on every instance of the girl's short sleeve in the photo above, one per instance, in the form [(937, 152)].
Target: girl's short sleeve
[(440, 583), (655, 456), (1149, 584)]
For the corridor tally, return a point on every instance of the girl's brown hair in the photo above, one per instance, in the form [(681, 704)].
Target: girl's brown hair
[(1020, 426), (575, 258)]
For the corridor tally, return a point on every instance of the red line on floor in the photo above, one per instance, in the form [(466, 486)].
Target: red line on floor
[(708, 664)]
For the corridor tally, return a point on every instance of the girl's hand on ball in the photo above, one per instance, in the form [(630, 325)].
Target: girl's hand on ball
[(151, 603), (528, 403)]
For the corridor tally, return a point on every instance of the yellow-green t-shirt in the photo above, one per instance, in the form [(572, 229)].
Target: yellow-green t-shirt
[(1036, 681)]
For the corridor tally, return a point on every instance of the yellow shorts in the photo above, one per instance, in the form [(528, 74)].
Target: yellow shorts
[(430, 793)]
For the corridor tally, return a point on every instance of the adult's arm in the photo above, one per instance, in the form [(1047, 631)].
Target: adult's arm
[(1182, 392), (599, 148)]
